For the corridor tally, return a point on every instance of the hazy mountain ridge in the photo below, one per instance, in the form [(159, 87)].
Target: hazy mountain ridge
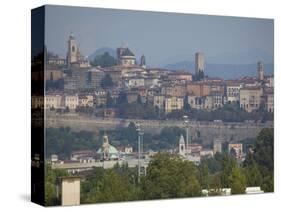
[(226, 71), (101, 51)]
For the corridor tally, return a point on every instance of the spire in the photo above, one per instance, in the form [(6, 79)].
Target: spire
[(71, 36), (181, 139)]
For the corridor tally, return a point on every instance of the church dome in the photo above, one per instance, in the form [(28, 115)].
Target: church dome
[(107, 151)]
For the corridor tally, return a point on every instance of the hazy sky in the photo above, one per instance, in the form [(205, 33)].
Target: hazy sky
[(162, 37)]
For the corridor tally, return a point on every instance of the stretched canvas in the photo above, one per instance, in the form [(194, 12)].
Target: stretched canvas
[(138, 105)]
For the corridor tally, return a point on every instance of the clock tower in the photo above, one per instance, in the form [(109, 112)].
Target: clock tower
[(73, 52)]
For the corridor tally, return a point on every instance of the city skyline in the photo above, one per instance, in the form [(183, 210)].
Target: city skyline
[(228, 40)]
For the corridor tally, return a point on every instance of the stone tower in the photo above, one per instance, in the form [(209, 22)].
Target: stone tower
[(182, 147), (260, 71), (199, 65), (73, 51), (142, 61)]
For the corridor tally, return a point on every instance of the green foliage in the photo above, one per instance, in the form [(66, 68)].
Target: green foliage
[(253, 175), (109, 100), (168, 176), (264, 151), (104, 60), (237, 181), (137, 110), (228, 164), (204, 176), (186, 106), (122, 98), (107, 82), (214, 164), (259, 165), (228, 113), (51, 180), (62, 141), (109, 185)]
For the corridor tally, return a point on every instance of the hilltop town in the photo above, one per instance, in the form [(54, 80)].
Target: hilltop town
[(101, 86), (122, 87)]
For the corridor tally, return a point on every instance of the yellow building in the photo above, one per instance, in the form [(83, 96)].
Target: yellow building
[(37, 102), (173, 103), (53, 101), (70, 191), (71, 101), (250, 98)]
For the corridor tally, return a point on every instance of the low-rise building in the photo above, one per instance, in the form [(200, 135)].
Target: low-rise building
[(71, 101), (86, 101), (180, 76), (134, 82), (206, 153), (173, 103), (201, 102), (233, 92), (54, 101), (236, 149), (269, 101), (37, 102), (99, 98), (250, 98)]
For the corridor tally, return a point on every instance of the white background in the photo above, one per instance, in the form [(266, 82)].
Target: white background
[(15, 103)]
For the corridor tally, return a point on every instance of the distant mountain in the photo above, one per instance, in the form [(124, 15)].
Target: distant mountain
[(101, 51), (226, 71)]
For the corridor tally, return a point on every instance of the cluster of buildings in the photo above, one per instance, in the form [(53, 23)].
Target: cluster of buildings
[(195, 151), (165, 89)]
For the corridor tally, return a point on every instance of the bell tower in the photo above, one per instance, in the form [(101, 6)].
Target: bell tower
[(182, 147), (73, 52)]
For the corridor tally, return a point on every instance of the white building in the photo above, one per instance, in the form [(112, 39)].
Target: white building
[(71, 101), (134, 82), (233, 93), (53, 101)]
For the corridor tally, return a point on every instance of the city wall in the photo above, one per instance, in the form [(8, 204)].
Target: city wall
[(206, 131)]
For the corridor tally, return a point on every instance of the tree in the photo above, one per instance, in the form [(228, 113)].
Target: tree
[(259, 165), (122, 98), (107, 82), (109, 100), (108, 186), (104, 60), (204, 175), (237, 181), (186, 105), (228, 163), (263, 153), (51, 180), (253, 175), (168, 176)]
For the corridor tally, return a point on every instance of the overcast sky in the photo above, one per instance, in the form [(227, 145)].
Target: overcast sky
[(162, 37)]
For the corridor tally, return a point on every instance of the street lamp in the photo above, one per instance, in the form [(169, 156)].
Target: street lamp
[(138, 128), (186, 123)]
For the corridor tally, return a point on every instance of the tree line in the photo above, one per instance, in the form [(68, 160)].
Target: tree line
[(168, 176)]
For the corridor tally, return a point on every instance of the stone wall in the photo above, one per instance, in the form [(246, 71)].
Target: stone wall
[(206, 131)]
